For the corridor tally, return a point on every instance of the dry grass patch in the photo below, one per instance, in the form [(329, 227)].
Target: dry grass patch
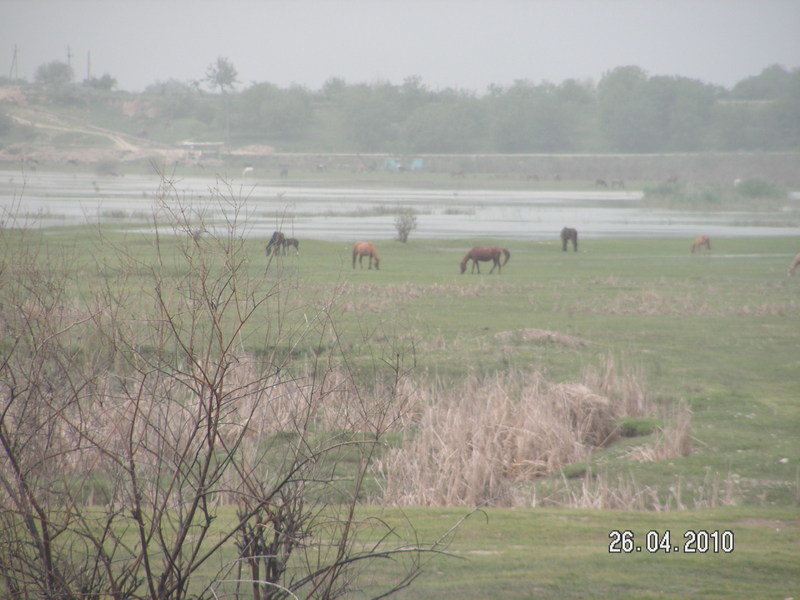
[(474, 441), (622, 491), (655, 302), (539, 336)]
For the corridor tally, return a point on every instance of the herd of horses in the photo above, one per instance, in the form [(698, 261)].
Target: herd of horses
[(278, 244)]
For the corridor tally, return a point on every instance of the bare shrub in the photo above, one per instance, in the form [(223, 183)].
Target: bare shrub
[(474, 441), (129, 413), (405, 222)]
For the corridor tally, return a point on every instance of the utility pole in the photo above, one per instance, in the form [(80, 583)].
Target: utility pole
[(69, 57), (13, 73), (88, 65)]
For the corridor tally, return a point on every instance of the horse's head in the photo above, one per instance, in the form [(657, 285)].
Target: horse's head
[(377, 262), (463, 266)]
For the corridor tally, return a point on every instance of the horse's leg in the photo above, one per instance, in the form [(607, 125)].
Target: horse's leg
[(564, 242)]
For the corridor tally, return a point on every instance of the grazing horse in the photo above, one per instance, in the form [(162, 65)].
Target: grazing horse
[(293, 242), (362, 249), (794, 265), (275, 244), (567, 234), (485, 253), (700, 241)]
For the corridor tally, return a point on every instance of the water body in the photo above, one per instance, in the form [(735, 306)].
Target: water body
[(46, 199)]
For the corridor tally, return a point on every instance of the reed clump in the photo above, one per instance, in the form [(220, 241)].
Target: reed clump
[(473, 443)]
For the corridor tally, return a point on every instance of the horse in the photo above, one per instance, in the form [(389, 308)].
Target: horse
[(700, 241), (567, 234), (794, 265), (275, 244), (362, 249), (293, 242), (485, 253)]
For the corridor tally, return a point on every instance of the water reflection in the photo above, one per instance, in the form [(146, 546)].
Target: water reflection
[(337, 213)]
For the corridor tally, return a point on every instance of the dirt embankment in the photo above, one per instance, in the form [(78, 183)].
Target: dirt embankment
[(98, 144)]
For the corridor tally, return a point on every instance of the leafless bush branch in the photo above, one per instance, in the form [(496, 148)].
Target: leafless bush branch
[(129, 414)]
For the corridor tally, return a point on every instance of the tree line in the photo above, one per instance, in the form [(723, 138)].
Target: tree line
[(628, 110)]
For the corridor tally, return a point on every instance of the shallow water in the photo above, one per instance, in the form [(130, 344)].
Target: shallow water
[(44, 199)]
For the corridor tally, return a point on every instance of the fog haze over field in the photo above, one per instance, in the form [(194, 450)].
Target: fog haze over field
[(463, 44)]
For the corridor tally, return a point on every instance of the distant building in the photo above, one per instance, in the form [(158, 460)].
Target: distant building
[(204, 148)]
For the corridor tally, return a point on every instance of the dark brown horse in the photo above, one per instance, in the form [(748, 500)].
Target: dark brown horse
[(275, 244), (485, 253), (700, 241), (362, 249), (569, 234)]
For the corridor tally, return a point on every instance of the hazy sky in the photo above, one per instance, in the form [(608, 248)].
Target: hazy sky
[(465, 44)]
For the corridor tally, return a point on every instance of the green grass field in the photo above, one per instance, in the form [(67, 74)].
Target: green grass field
[(718, 330)]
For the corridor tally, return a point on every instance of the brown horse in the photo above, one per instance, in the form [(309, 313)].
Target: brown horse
[(362, 249), (567, 234), (275, 244), (700, 241), (293, 242), (794, 265), (485, 253)]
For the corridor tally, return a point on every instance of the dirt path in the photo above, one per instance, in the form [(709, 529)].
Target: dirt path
[(45, 120)]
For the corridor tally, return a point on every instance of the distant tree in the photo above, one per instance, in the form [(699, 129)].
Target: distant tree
[(371, 117), (784, 114), (266, 110), (106, 82), (770, 84), (454, 124), (625, 118), (179, 100), (333, 87), (221, 74), (680, 109), (529, 118), (54, 75)]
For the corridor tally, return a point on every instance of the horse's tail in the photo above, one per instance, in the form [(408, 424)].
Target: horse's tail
[(794, 265), (508, 256)]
